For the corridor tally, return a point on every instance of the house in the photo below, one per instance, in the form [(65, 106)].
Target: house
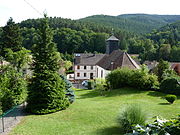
[(91, 66), (176, 67)]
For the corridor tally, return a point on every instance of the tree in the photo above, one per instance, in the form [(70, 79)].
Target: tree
[(175, 54), (161, 68), (164, 51), (11, 37), (13, 87), (18, 59), (46, 91)]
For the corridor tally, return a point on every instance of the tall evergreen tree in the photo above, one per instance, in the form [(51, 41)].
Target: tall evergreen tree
[(46, 92), (11, 37)]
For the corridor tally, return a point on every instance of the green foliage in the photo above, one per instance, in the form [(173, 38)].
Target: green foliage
[(170, 98), (11, 37), (167, 38), (159, 127), (132, 78), (130, 116), (161, 68), (137, 23), (101, 85), (68, 89), (47, 93), (91, 84), (13, 87), (18, 59), (47, 89), (169, 73), (170, 85)]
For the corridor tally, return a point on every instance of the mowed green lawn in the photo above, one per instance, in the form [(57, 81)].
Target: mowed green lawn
[(92, 114)]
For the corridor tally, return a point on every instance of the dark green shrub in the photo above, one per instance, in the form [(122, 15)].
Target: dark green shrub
[(120, 78), (91, 84), (143, 80), (131, 116), (170, 98), (170, 85), (125, 77)]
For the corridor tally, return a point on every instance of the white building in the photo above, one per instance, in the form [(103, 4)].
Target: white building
[(91, 66)]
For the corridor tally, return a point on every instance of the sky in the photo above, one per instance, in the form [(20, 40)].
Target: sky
[(75, 9)]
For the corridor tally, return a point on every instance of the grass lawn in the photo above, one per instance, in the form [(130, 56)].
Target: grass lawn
[(92, 114)]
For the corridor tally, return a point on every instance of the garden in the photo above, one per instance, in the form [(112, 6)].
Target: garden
[(126, 102), (93, 114)]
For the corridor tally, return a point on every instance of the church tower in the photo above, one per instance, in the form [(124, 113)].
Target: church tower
[(111, 44)]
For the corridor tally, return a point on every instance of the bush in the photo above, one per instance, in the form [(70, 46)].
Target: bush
[(101, 85), (159, 127), (68, 89), (120, 78), (91, 84), (170, 98), (13, 87), (170, 85), (132, 78), (130, 116)]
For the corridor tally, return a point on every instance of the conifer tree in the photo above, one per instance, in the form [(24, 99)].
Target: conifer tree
[(46, 91), (11, 37)]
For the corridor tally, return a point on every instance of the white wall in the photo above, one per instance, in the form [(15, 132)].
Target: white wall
[(98, 72), (101, 72), (88, 70)]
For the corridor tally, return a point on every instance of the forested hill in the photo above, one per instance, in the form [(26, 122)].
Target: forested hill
[(169, 34), (137, 23), (72, 35), (166, 43)]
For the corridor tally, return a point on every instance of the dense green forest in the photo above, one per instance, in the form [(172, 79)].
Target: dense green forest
[(136, 23), (84, 36), (72, 36)]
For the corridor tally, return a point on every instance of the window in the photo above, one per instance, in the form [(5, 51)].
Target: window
[(78, 74), (91, 75), (91, 67), (78, 67), (84, 74), (101, 73), (84, 67)]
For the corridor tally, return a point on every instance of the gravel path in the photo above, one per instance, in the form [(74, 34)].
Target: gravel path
[(12, 119)]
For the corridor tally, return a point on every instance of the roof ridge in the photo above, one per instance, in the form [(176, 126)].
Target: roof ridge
[(132, 61), (122, 58)]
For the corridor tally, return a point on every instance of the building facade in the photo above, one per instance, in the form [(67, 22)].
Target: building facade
[(91, 66)]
